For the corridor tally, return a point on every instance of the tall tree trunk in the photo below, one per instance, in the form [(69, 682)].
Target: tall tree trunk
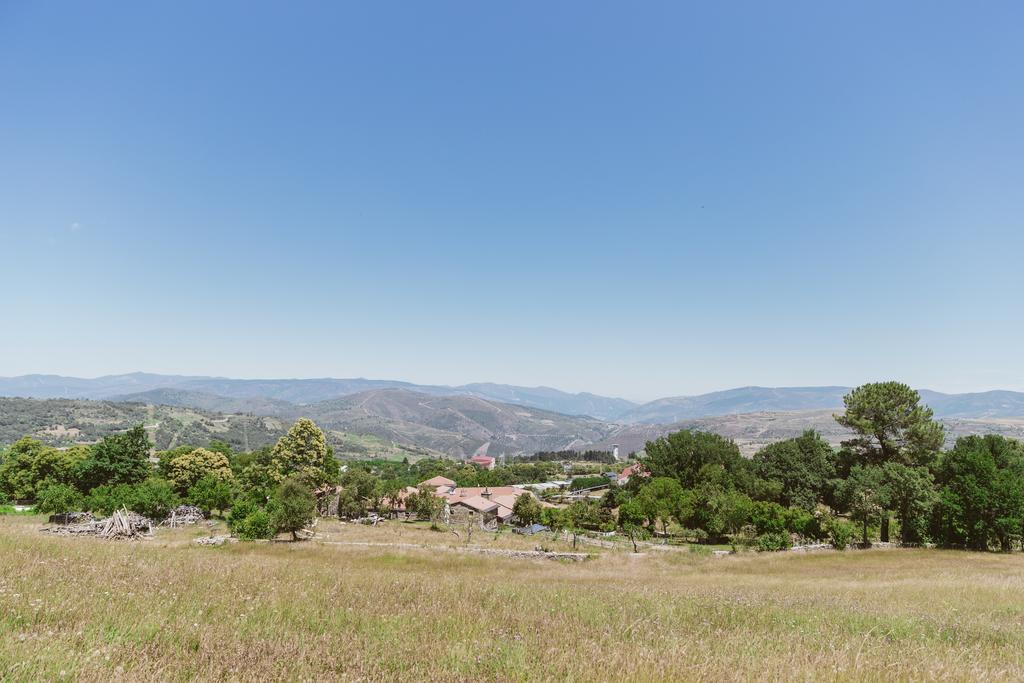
[(884, 531)]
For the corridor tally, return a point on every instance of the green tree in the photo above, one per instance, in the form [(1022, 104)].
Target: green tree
[(581, 515), (301, 452), (188, 468), (981, 496), (717, 511), (295, 506), (30, 466), (554, 519), (212, 493), (802, 467), (910, 493), (153, 498), (527, 510), (58, 498), (840, 532), (663, 499), (684, 455), (891, 425), (426, 506), (863, 494), (117, 459), (631, 520), (350, 505)]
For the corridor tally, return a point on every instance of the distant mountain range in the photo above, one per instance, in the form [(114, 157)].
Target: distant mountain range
[(282, 396), (377, 423), (298, 391)]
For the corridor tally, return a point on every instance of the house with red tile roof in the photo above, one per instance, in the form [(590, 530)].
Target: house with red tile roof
[(634, 470), (483, 461)]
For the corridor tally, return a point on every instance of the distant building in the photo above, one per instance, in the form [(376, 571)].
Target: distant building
[(483, 461), (486, 503), (634, 470), (441, 484)]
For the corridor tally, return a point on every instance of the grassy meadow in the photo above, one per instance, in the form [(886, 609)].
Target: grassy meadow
[(167, 609)]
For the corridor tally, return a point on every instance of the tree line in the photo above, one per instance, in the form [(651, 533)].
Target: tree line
[(890, 481)]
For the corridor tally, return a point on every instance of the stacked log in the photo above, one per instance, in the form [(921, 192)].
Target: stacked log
[(184, 515), (123, 524)]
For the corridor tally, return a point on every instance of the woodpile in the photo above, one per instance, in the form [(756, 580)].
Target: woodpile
[(123, 524), (184, 515), (71, 518)]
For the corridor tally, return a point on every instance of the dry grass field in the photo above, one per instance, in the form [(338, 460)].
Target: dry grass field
[(166, 609)]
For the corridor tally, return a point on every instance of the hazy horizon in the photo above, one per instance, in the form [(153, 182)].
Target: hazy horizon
[(630, 201), (640, 400)]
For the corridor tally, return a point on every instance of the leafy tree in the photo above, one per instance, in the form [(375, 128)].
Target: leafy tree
[(426, 506), (840, 532), (250, 521), (891, 425), (554, 519), (153, 498), (388, 493), (981, 496), (164, 458), (768, 517), (580, 483), (663, 499), (910, 493), (361, 483), (631, 520), (527, 510), (212, 493), (718, 511), (117, 459), (221, 447), (296, 507), (58, 498), (774, 541), (802, 467), (30, 466), (350, 505), (684, 456), (188, 468), (301, 452), (863, 493), (585, 514)]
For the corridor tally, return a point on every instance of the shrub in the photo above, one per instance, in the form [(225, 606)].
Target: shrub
[(257, 524), (211, 493), (773, 541), (840, 533), (153, 498), (350, 506), (57, 498), (251, 517), (768, 518), (296, 506)]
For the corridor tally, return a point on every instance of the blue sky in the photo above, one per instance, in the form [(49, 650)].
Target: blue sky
[(637, 199)]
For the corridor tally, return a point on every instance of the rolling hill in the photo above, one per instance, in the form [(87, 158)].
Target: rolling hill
[(457, 425), (734, 401), (298, 391), (378, 423), (271, 396), (64, 422), (751, 431)]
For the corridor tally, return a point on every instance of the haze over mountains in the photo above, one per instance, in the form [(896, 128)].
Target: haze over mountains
[(278, 396), (373, 417)]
